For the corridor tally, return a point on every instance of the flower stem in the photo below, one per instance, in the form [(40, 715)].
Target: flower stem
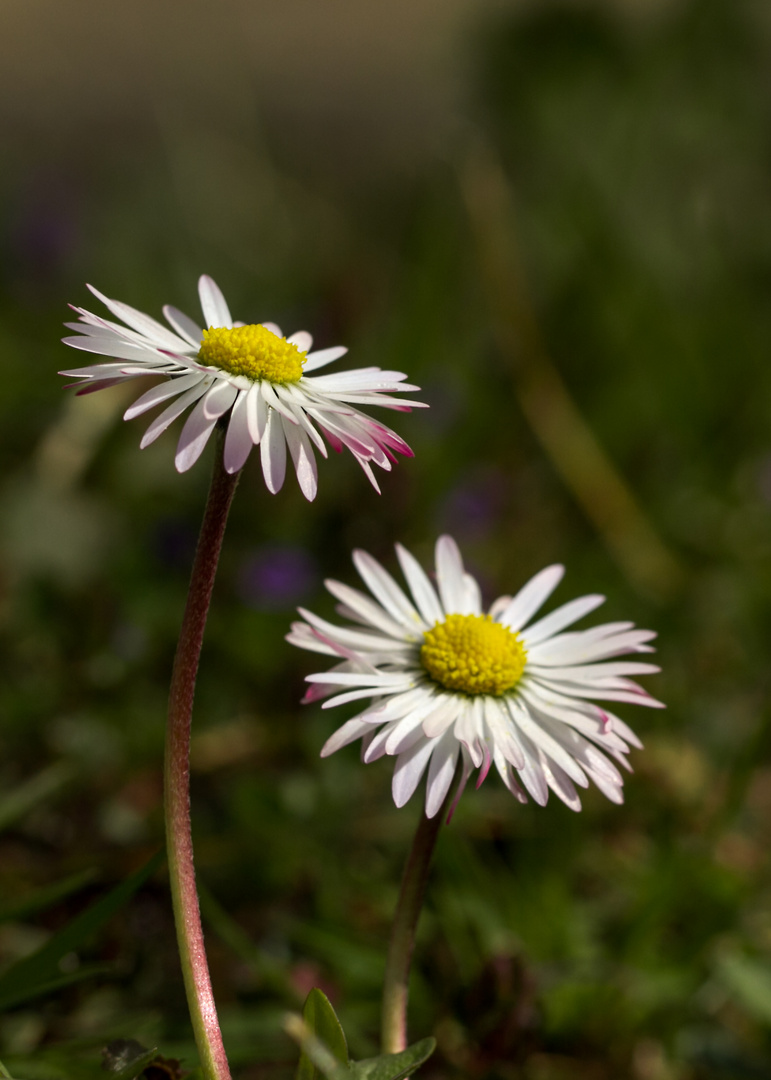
[(179, 842), (393, 1023)]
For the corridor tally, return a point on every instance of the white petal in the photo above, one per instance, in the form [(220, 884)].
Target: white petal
[(560, 618), (184, 325), (591, 759), (610, 630), (322, 357), (561, 785), (584, 716), (295, 402), (238, 441), (507, 775), (369, 378), (367, 470), (589, 673), (344, 428), (532, 774), (353, 695), (194, 437), (274, 329), (531, 597), (348, 733), (170, 414), (614, 792), (384, 588), (408, 770), (469, 732), (215, 309), (393, 708), (219, 399), (256, 413), (583, 647), (441, 770), (423, 591), (161, 393), (84, 327), (384, 401), (472, 595), (622, 729), (376, 747), (95, 371), (308, 634), (404, 733), (635, 696), (544, 741), (498, 607), (450, 576), (90, 386), (113, 346), (273, 401), (154, 331), (354, 639), (368, 612), (302, 340), (91, 323), (386, 680), (445, 710), (273, 453), (499, 724), (303, 459), (303, 637)]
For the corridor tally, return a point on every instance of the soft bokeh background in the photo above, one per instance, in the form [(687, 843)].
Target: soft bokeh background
[(524, 206)]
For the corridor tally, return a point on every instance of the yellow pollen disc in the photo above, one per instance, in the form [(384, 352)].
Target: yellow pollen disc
[(473, 654), (251, 351)]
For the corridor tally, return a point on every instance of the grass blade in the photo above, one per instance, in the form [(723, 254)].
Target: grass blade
[(44, 898), (40, 973)]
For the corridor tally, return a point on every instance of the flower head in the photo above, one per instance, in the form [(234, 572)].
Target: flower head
[(447, 682), (252, 376)]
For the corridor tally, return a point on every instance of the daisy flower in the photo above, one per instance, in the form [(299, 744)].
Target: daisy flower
[(252, 376), (448, 682)]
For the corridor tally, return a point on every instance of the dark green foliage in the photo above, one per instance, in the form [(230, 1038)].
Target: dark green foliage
[(125, 1059), (394, 1066), (627, 941), (321, 1022), (324, 1050), (40, 973)]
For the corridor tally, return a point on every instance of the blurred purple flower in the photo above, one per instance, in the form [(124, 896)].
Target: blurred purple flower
[(277, 576)]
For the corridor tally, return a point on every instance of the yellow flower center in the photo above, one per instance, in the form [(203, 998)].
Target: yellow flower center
[(251, 351), (473, 654)]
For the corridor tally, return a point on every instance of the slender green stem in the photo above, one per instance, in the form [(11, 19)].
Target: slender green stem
[(187, 915), (393, 1023)]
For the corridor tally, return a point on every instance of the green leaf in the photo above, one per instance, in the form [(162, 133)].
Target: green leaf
[(393, 1066), (50, 986), (40, 899), (4, 1074), (40, 973), (322, 1026), (125, 1059)]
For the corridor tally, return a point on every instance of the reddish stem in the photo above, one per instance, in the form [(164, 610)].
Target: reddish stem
[(187, 915), (409, 905)]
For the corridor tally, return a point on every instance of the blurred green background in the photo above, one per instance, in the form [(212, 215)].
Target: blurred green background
[(482, 195)]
